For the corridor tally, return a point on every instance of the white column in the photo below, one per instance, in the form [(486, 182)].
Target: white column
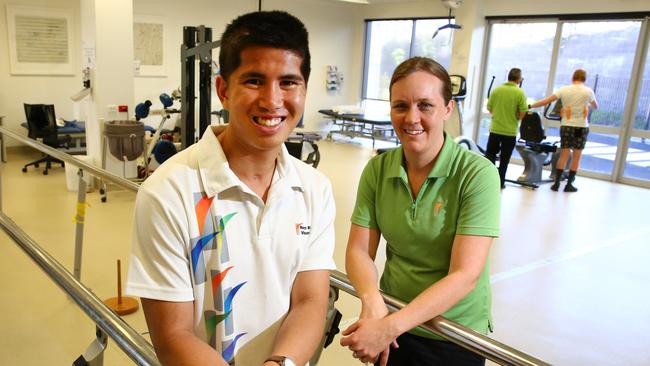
[(467, 52), (107, 29)]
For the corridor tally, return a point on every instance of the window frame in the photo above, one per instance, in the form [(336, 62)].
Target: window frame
[(366, 50)]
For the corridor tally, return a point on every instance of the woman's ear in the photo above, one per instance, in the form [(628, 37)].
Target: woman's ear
[(449, 108), (222, 90)]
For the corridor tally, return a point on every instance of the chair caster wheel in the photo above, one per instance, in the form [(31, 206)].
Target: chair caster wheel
[(103, 199), (35, 165), (44, 172), (101, 191), (25, 170)]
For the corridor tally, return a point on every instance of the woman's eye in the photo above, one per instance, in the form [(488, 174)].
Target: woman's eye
[(399, 107), (425, 106)]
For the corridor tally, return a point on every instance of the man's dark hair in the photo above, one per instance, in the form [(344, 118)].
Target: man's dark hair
[(514, 74), (276, 29)]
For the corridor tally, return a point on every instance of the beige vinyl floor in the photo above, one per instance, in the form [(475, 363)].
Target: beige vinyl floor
[(570, 272)]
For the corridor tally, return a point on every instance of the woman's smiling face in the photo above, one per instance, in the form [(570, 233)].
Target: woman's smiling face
[(418, 111)]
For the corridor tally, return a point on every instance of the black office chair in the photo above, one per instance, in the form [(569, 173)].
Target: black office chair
[(41, 123)]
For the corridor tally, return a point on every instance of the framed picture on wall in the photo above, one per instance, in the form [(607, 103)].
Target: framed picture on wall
[(149, 45), (40, 40)]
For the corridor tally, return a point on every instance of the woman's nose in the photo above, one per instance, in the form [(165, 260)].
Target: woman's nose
[(412, 115)]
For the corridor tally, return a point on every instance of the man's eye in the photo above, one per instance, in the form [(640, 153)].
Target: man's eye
[(253, 82), (399, 107), (288, 83)]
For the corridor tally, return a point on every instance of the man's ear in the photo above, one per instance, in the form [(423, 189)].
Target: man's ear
[(222, 90)]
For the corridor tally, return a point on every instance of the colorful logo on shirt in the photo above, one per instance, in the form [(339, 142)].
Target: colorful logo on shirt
[(213, 240), (302, 229)]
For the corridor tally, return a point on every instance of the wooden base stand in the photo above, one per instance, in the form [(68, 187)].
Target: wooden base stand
[(121, 305)]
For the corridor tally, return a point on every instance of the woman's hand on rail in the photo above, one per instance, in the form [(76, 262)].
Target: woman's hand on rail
[(376, 309), (370, 337)]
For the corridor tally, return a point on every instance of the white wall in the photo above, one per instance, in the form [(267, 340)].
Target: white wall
[(214, 14), (336, 35), (334, 29), (18, 89), (335, 38)]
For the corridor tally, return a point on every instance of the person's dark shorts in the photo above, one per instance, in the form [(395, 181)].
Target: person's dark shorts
[(415, 350), (573, 137)]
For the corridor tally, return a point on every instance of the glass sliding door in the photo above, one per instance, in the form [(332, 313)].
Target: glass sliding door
[(637, 159), (525, 45), (606, 50)]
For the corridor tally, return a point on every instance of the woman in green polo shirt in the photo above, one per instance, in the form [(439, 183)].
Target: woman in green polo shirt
[(437, 206)]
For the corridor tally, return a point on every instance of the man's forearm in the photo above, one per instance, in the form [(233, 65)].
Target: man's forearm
[(188, 350), (301, 331)]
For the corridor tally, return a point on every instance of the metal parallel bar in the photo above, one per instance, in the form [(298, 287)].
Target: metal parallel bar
[(79, 219), (129, 340), (3, 149), (441, 326), (58, 154), (452, 331)]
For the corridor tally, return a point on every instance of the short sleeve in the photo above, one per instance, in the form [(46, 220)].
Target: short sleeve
[(159, 267), (364, 208), (480, 203)]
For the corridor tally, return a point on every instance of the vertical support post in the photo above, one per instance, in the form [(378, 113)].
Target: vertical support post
[(79, 222), (188, 94), (2, 141), (3, 149), (94, 354), (205, 75)]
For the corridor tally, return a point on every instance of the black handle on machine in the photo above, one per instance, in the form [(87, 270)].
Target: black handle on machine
[(490, 87)]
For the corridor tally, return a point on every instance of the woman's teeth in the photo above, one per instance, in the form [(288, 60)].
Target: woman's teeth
[(268, 122), (413, 132)]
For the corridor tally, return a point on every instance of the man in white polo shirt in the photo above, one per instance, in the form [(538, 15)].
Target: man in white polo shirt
[(233, 236)]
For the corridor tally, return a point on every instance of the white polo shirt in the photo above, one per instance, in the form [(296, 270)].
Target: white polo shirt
[(202, 235)]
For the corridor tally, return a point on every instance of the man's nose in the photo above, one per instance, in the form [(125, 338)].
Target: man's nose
[(271, 96)]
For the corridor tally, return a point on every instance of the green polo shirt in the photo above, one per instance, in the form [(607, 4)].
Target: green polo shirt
[(460, 196), (504, 103)]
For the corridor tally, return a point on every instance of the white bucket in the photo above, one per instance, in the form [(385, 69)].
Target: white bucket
[(71, 177)]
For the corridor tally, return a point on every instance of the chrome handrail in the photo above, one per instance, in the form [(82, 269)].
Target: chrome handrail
[(129, 340), (58, 154), (452, 331)]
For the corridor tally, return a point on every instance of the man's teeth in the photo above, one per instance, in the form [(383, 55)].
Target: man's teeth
[(413, 132), (269, 122)]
